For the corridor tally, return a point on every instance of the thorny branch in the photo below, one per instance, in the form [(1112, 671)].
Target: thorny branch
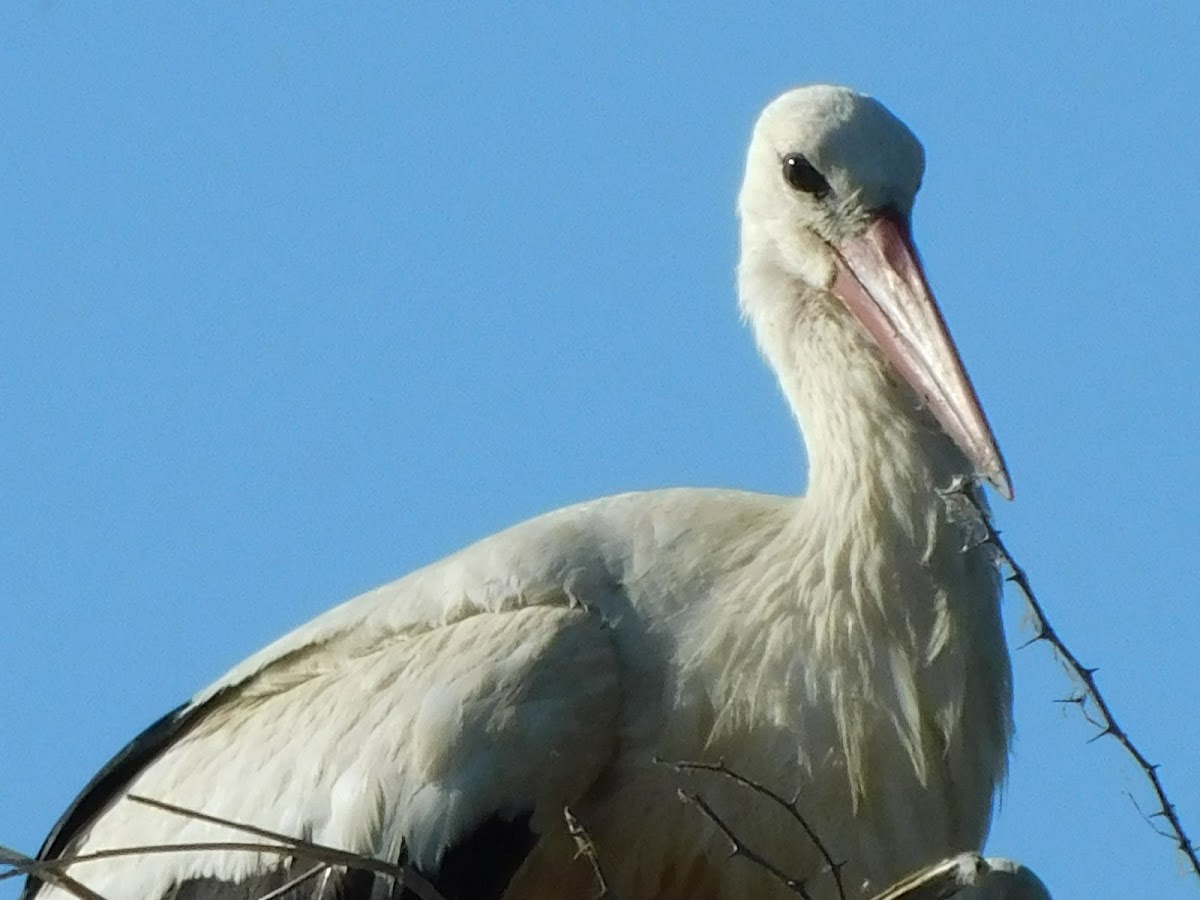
[(943, 879), (1085, 676), (792, 808), (740, 849)]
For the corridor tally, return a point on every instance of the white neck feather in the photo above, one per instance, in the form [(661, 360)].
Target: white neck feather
[(873, 562), (866, 435)]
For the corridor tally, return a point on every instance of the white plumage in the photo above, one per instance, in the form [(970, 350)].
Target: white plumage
[(843, 646)]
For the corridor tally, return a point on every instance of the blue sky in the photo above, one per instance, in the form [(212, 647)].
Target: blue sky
[(297, 299)]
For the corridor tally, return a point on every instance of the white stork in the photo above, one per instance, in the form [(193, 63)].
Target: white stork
[(846, 646)]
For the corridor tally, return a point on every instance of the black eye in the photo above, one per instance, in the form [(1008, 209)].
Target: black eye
[(801, 175)]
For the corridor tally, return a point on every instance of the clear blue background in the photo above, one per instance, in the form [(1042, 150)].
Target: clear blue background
[(295, 299)]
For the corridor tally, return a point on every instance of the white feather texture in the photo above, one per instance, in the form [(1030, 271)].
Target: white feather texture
[(842, 647)]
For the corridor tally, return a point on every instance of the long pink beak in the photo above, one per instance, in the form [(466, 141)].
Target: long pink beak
[(880, 280)]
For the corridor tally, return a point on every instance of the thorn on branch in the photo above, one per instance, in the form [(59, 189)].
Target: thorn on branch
[(792, 808), (1105, 719), (738, 848)]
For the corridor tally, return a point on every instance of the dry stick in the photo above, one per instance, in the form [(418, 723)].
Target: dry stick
[(739, 849), (792, 809), (296, 882), (46, 871), (49, 870), (407, 875), (1107, 723), (585, 847), (38, 867)]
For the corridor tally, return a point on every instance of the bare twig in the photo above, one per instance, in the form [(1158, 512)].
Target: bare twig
[(1104, 720), (407, 875), (46, 871), (296, 882), (738, 848), (792, 808), (36, 867), (52, 869), (10, 857), (585, 848)]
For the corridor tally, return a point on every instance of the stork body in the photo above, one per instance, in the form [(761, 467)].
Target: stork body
[(843, 646)]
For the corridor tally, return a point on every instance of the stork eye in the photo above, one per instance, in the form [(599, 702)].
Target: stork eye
[(803, 176)]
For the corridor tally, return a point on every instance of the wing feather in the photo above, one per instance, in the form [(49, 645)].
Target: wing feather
[(400, 748)]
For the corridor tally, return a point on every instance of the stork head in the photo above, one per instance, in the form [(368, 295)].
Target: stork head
[(831, 176)]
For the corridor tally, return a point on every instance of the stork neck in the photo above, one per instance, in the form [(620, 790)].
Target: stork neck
[(867, 438)]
